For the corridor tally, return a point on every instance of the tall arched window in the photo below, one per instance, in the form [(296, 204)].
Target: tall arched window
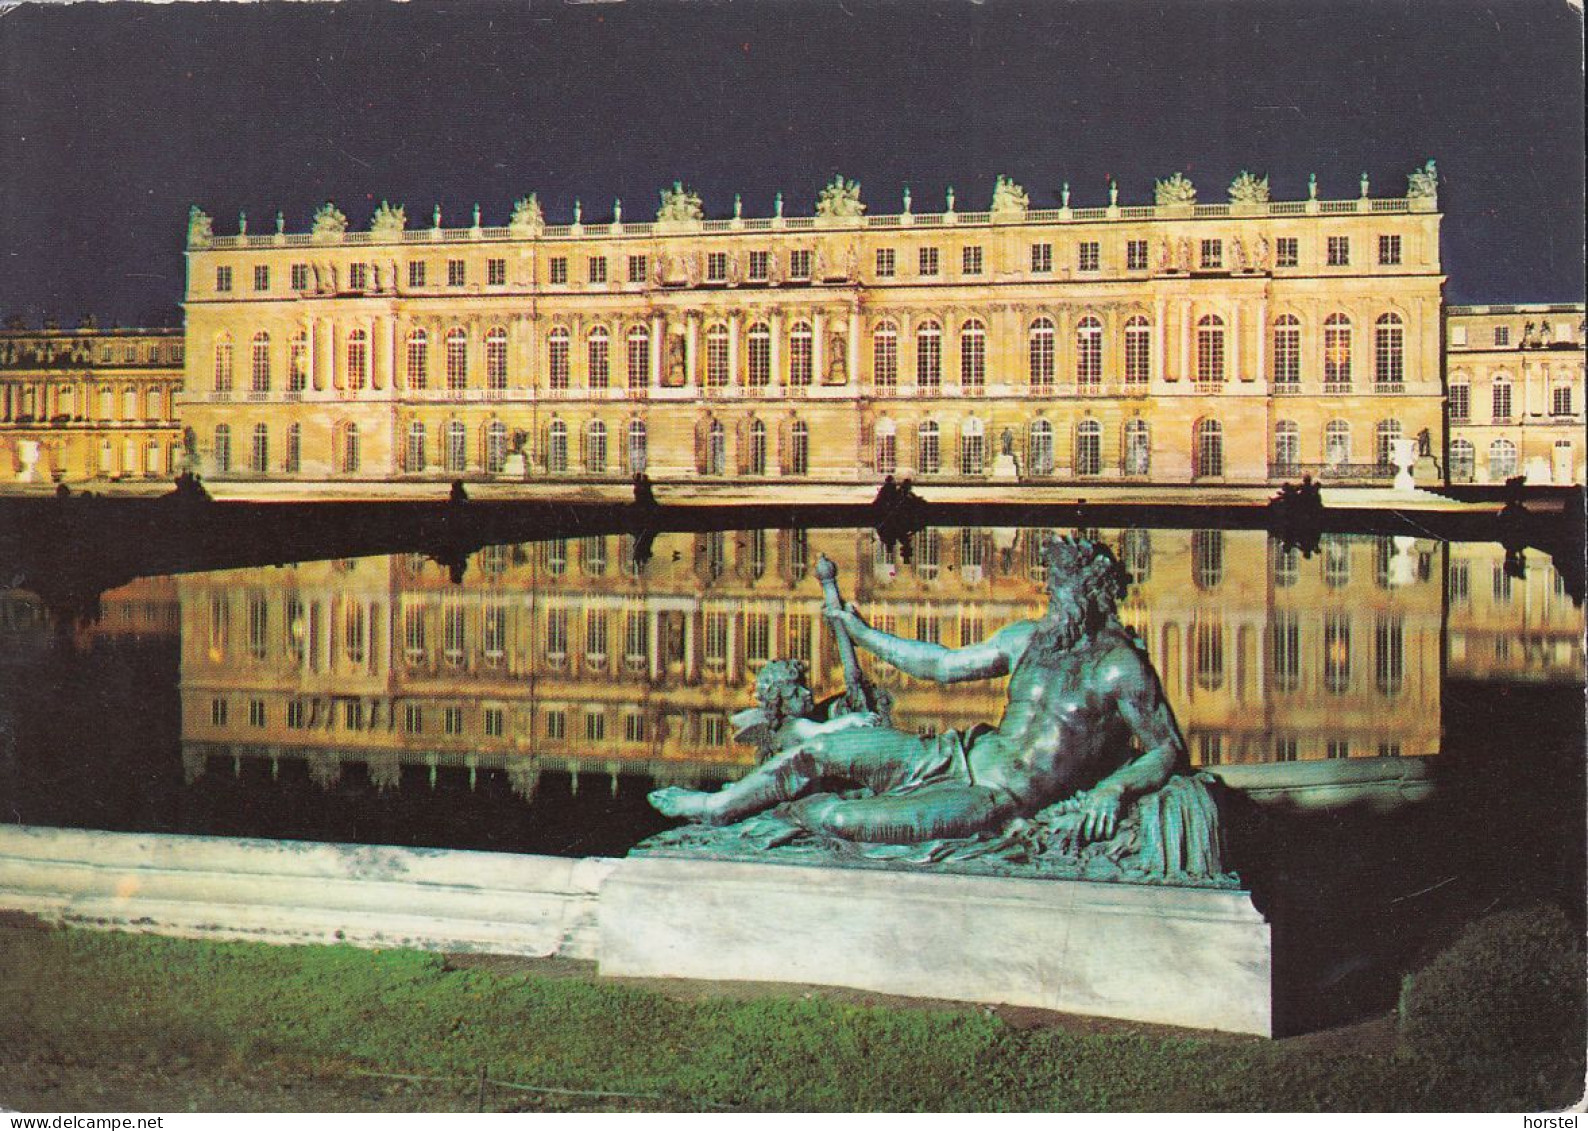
[(1088, 351), (129, 403), (1287, 350), (1502, 461), (357, 359), (1138, 351), (261, 363), (972, 447), (973, 356), (1089, 448), (414, 457), (298, 362), (598, 356), (1337, 443), (1210, 350), (717, 356), (557, 364), (928, 457), (457, 343), (1385, 435), (758, 356), (1287, 447), (496, 358), (293, 464), (223, 447), (457, 452), (557, 448), (639, 357), (595, 448), (1039, 448), (1337, 350), (495, 447), (156, 405), (929, 355), (716, 449), (350, 448), (418, 359), (638, 448), (223, 363), (1501, 397), (1039, 343), (1138, 447), (799, 449), (1463, 461), (800, 356), (887, 447), (885, 356), (755, 458), (1208, 450), (1389, 350), (107, 403), (259, 450)]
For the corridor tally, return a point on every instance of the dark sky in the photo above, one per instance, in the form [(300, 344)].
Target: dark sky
[(114, 117)]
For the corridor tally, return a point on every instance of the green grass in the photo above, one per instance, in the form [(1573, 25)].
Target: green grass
[(99, 998)]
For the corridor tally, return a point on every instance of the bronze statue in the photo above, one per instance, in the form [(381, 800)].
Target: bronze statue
[(1087, 732)]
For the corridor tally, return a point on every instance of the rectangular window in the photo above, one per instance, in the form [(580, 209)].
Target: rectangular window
[(357, 276), (598, 269), (559, 270), (1502, 335), (886, 264), (716, 267), (1041, 258), (595, 726), (218, 712), (1089, 256), (494, 721), (416, 273), (1460, 403), (496, 272), (413, 718), (557, 723), (353, 715), (970, 261), (1136, 255), (637, 268), (1389, 251), (1212, 255), (760, 266), (300, 276), (261, 277), (1338, 748), (452, 720), (1339, 251), (1560, 402), (799, 264), (223, 279), (714, 730), (256, 713), (457, 274), (927, 261), (633, 727), (1287, 252), (1458, 335), (297, 717)]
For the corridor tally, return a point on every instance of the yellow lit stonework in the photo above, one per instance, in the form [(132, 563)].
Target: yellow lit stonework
[(1172, 343)]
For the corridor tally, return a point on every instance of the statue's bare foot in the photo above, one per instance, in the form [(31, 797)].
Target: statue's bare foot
[(690, 804)]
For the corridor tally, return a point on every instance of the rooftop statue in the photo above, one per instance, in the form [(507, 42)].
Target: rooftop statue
[(1423, 184), (1248, 188), (388, 222), (1078, 778), (527, 217), (1176, 190), (329, 224), (840, 198), (200, 228), (1008, 198), (678, 203)]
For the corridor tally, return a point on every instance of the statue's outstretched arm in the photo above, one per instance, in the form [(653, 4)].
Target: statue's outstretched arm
[(925, 660)]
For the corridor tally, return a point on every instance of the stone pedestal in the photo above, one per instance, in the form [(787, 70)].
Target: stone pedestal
[(1425, 472), (1404, 453), (1005, 469), (515, 466), (1176, 956)]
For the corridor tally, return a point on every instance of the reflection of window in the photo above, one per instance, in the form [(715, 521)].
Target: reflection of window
[(1389, 654), (1208, 638), (1207, 558), (757, 639), (1336, 653), (1336, 563), (1284, 654), (1040, 458), (454, 634), (494, 636), (716, 643), (1286, 565), (258, 626)]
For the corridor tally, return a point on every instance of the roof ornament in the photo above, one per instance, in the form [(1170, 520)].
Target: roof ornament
[(527, 218), (840, 199), (1249, 188), (388, 223), (329, 224), (200, 228), (1177, 190), (679, 204), (1423, 184)]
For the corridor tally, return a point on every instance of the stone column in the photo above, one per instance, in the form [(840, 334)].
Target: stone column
[(852, 366), (658, 344), (375, 329), (735, 319), (1160, 345), (1262, 340), (692, 375), (1185, 340), (818, 332), (1235, 340), (775, 327)]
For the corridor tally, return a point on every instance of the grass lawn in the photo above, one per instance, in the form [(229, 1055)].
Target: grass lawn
[(92, 1021)]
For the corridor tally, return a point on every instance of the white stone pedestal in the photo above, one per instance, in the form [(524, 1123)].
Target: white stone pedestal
[(1005, 469), (514, 466), (1175, 956)]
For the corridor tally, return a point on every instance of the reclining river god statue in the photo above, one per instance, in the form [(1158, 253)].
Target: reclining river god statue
[(1084, 775)]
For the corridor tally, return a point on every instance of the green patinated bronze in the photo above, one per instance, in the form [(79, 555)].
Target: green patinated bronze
[(1079, 778)]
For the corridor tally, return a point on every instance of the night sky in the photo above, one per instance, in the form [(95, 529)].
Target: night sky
[(115, 117)]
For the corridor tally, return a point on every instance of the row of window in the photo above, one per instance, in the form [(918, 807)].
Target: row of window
[(133, 403), (1500, 402)]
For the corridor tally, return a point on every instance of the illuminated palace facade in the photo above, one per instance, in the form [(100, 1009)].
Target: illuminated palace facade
[(1246, 342)]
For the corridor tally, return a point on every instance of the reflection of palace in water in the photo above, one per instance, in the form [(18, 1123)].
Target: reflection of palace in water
[(570, 656)]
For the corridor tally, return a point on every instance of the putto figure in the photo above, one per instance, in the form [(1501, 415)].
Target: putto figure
[(1087, 729)]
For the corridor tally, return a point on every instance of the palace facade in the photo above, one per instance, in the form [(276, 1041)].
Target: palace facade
[(1247, 342)]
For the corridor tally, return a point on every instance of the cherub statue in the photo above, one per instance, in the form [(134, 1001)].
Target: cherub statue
[(1008, 198), (679, 204), (840, 198)]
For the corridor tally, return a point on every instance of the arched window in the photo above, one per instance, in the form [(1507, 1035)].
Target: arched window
[(107, 455), (885, 356), (1210, 350), (261, 363), (1138, 447), (1089, 351), (496, 358), (799, 449), (1208, 449), (716, 449), (717, 356), (1138, 351), (1287, 448), (357, 359), (557, 358), (639, 357), (259, 450), (418, 359), (298, 362), (1089, 448), (887, 447), (1385, 435), (557, 448), (758, 348), (457, 451), (1039, 343), (294, 461), (151, 458), (223, 363), (1337, 443), (755, 461), (495, 447), (414, 457), (972, 447), (1501, 390), (929, 355), (1389, 350), (638, 448), (1460, 398), (1287, 350), (457, 344), (129, 403), (1039, 448), (107, 403), (598, 355), (1337, 350), (223, 447), (1463, 461), (595, 448), (800, 357), (156, 405), (928, 458), (973, 356), (350, 448), (1502, 461)]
